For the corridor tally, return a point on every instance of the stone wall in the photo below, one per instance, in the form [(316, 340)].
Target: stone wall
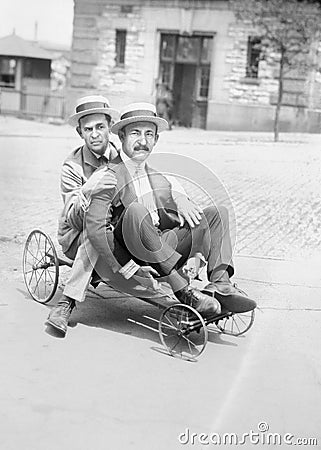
[(241, 89), (94, 68)]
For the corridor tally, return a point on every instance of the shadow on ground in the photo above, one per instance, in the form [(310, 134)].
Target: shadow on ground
[(120, 313)]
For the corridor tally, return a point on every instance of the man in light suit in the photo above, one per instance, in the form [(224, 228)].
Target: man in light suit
[(79, 180), (136, 227)]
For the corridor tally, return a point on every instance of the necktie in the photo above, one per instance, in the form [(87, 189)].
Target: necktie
[(144, 193), (103, 161)]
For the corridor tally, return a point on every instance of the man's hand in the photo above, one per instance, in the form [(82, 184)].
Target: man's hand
[(144, 276), (101, 180), (188, 211)]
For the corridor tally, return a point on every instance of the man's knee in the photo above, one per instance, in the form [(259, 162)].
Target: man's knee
[(135, 212), (214, 211)]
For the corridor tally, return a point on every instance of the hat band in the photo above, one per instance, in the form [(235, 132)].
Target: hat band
[(137, 113), (91, 105)]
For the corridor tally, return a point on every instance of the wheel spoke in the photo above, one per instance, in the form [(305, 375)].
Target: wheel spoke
[(172, 348), (234, 322), (38, 280), (35, 257), (45, 283), (33, 272), (170, 322), (41, 267), (242, 320), (189, 342), (183, 339), (49, 273), (28, 249), (37, 243), (170, 327)]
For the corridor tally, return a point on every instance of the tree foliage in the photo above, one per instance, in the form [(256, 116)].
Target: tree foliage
[(289, 28)]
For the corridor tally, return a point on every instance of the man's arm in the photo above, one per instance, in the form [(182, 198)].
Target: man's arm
[(77, 192), (99, 230), (75, 201), (100, 233)]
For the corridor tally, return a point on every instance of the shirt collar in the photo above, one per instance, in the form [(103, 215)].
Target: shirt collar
[(130, 164), (92, 158)]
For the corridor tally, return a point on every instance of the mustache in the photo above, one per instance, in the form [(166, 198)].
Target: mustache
[(141, 147)]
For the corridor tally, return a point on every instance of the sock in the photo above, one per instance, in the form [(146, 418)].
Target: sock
[(220, 275), (176, 281)]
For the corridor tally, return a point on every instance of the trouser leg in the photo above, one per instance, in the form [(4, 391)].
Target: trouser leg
[(81, 271), (211, 238), (145, 243)]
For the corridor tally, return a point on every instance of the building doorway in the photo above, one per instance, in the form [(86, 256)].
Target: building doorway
[(184, 94), (184, 69)]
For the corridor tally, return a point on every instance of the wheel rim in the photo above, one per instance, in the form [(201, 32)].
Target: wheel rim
[(182, 331), (40, 266), (236, 324)]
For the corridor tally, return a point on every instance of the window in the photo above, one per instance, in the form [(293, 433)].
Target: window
[(204, 82), (206, 50), (253, 57), (126, 9), (168, 45), (188, 50), (7, 72), (166, 73), (120, 47), (28, 68)]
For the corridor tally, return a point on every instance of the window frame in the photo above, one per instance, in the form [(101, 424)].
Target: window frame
[(12, 84), (253, 58), (120, 46)]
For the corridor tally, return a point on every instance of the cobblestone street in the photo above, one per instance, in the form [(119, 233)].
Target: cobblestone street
[(274, 187)]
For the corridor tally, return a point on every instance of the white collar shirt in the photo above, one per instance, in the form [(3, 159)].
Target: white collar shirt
[(142, 186)]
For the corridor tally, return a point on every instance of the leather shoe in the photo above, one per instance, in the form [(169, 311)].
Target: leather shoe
[(203, 303), (59, 316), (230, 296)]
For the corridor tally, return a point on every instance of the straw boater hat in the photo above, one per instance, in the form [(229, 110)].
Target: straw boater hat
[(92, 104), (139, 112)]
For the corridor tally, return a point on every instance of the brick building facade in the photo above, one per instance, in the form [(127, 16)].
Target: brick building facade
[(128, 49)]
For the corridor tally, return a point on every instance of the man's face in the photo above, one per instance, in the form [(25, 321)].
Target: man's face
[(94, 129), (138, 140)]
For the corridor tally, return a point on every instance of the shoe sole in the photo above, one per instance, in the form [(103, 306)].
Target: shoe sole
[(233, 302), (52, 324)]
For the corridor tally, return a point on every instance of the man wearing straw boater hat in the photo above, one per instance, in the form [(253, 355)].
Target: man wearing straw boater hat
[(137, 231), (84, 175), (80, 179)]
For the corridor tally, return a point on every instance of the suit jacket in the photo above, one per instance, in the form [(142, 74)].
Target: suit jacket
[(106, 208), (76, 170)]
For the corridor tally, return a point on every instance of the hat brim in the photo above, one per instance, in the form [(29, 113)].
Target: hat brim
[(113, 113), (160, 123)]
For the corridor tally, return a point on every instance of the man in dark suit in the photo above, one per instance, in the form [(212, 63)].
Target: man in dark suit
[(137, 231)]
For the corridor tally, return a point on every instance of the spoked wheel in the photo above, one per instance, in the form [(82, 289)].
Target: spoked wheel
[(236, 324), (40, 266), (182, 331)]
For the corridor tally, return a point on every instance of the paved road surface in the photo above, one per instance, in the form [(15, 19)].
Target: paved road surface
[(108, 385)]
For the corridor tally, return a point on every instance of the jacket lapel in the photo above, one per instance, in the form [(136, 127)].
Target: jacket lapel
[(125, 188), (91, 163)]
